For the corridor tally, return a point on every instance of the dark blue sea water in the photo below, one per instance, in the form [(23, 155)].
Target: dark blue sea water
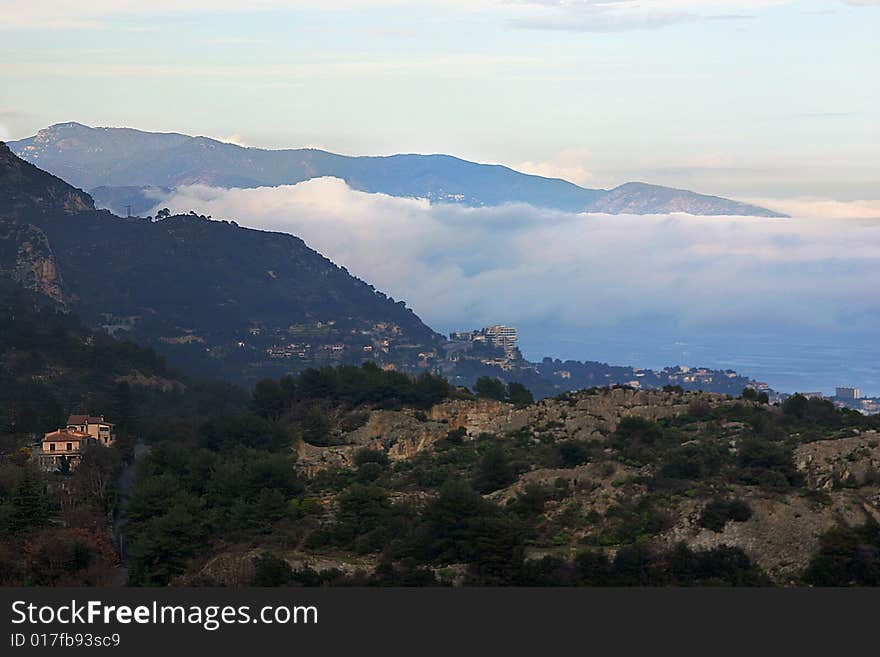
[(787, 363)]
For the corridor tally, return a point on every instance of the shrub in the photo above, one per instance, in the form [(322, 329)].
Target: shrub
[(848, 556), (637, 438), (768, 464), (717, 512), (571, 453), (269, 570), (494, 470), (488, 387), (519, 395)]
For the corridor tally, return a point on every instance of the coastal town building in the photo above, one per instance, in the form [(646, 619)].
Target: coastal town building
[(499, 336), (848, 393), (504, 337)]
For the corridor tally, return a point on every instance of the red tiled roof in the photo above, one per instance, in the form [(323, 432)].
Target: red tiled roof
[(66, 434), (86, 419)]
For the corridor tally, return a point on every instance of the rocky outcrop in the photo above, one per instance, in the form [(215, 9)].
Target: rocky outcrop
[(844, 463), (784, 531), (581, 415), (400, 434), (135, 378), (237, 568), (27, 258), (584, 415)]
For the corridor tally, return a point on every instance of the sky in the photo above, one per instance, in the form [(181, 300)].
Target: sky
[(769, 98)]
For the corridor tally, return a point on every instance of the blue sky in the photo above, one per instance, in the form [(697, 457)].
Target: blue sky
[(741, 97)]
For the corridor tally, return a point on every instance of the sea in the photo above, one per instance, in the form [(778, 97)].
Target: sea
[(788, 363)]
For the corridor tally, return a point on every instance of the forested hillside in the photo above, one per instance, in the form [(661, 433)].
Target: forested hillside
[(355, 476), (219, 299), (55, 527)]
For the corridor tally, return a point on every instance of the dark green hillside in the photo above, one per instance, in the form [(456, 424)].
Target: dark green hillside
[(220, 299), (25, 188), (55, 527), (51, 365), (188, 272)]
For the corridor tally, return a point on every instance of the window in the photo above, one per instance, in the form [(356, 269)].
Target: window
[(69, 447), (51, 447)]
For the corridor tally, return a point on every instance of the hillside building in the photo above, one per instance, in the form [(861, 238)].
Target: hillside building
[(499, 336), (63, 444), (94, 426), (69, 442)]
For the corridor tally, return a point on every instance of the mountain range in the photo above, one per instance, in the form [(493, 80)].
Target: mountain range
[(126, 167)]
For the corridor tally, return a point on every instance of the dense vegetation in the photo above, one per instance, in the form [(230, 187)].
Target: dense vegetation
[(218, 475), (55, 527), (436, 518)]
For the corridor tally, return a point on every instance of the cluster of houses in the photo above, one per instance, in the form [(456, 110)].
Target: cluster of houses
[(501, 337), (849, 397), (68, 443)]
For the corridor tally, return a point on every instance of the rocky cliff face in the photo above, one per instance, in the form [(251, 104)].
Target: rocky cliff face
[(26, 254), (27, 258)]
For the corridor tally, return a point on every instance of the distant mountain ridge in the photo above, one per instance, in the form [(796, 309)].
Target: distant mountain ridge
[(125, 164)]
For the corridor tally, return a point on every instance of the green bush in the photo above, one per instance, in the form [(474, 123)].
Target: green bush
[(848, 556), (718, 512)]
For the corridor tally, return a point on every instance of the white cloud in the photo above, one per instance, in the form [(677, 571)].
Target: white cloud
[(824, 209), (620, 15), (463, 266), (569, 165), (236, 139)]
